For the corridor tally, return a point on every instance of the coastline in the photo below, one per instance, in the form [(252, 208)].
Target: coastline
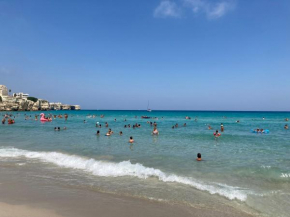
[(19, 198)]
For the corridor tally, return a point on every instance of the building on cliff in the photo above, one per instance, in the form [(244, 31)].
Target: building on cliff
[(20, 95), (3, 90), (22, 102)]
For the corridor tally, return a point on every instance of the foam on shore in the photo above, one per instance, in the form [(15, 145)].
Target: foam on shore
[(125, 168)]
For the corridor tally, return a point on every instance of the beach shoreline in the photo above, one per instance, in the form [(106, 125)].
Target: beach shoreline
[(19, 198)]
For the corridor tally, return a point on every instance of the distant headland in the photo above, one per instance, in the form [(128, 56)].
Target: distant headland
[(24, 102)]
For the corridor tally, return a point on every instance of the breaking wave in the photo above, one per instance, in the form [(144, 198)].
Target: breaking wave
[(125, 168)]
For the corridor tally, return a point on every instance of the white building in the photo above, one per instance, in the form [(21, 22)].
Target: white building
[(21, 95), (3, 90), (55, 105)]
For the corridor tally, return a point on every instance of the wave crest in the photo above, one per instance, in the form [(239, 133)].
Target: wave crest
[(125, 168)]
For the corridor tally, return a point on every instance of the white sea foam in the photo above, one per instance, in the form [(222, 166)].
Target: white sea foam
[(125, 168)]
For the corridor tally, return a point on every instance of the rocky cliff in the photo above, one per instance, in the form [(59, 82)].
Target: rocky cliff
[(23, 104)]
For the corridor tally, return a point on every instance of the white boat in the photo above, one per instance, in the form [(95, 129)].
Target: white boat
[(148, 109)]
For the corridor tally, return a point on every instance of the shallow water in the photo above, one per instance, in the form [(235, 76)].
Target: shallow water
[(246, 170)]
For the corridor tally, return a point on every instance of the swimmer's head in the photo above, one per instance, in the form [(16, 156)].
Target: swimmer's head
[(199, 155)]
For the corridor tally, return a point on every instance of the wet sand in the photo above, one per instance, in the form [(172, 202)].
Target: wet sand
[(19, 198)]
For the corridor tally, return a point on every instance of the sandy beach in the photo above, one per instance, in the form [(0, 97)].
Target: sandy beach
[(20, 198), (102, 205)]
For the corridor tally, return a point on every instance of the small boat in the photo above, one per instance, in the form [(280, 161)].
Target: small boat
[(148, 109), (145, 117)]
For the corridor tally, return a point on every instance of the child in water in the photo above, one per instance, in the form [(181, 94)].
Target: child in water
[(217, 134)]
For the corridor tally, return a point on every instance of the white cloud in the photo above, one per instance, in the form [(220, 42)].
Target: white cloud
[(212, 10), (218, 10), (167, 9), (195, 5)]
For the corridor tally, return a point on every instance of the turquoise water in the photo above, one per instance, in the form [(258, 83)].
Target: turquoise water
[(243, 169)]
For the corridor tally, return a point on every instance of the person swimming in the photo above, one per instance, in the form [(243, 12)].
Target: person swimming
[(11, 121), (209, 127), (131, 140), (121, 133), (198, 157), (109, 133), (217, 134), (98, 133), (286, 127), (184, 124)]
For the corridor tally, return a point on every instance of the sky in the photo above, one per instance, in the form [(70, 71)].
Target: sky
[(176, 54)]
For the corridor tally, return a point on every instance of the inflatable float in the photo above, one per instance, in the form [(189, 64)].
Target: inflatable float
[(217, 134), (11, 121), (43, 119), (264, 131)]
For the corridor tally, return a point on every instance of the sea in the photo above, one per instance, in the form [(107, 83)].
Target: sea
[(242, 169)]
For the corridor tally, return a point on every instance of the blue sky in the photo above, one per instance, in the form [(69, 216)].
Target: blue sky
[(179, 54)]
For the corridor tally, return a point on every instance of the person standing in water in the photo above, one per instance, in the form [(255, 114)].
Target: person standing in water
[(155, 131), (222, 127), (131, 140)]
